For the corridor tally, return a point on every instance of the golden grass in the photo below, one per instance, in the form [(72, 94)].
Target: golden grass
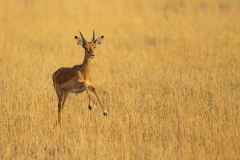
[(168, 72)]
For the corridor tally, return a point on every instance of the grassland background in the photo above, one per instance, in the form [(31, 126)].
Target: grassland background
[(168, 72)]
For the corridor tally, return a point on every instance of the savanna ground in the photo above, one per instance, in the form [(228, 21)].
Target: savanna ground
[(168, 72)]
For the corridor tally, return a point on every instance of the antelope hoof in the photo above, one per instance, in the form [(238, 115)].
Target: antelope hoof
[(105, 113), (89, 107)]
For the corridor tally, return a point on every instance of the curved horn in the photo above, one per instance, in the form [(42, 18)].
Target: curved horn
[(83, 37), (93, 39)]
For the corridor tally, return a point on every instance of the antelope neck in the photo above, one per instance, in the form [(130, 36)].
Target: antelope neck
[(86, 64)]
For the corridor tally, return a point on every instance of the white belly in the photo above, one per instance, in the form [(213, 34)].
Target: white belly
[(73, 86), (78, 90)]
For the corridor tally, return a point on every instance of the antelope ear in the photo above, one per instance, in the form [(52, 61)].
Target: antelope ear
[(99, 40), (79, 41)]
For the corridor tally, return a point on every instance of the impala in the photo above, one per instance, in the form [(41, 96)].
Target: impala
[(78, 78)]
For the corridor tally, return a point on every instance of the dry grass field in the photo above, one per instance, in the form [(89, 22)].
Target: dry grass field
[(168, 72)]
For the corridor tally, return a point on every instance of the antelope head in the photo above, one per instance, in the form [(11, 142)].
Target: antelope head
[(89, 46)]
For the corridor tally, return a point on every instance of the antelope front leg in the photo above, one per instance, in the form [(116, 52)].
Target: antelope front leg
[(94, 90), (89, 96)]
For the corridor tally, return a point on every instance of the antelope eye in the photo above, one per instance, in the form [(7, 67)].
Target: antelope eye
[(85, 47)]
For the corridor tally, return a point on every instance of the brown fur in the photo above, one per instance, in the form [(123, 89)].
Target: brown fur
[(78, 78)]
